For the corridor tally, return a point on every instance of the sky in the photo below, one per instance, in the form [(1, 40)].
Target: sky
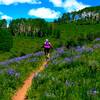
[(47, 9)]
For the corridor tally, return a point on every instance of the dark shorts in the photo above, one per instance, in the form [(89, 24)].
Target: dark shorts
[(46, 50)]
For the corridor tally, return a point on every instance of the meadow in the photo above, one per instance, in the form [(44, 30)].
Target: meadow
[(72, 73), (14, 72)]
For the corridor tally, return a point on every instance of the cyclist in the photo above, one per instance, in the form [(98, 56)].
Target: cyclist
[(47, 46)]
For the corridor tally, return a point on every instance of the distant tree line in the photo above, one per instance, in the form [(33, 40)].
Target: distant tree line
[(24, 27), (40, 28), (30, 27), (89, 15)]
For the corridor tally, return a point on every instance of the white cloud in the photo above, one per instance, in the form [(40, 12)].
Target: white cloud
[(3, 16), (57, 3), (69, 5), (8, 2), (6, 17), (44, 13), (73, 5)]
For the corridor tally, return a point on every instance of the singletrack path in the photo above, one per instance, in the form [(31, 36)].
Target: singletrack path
[(21, 92)]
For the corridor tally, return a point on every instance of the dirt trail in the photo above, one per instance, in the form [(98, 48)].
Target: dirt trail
[(21, 93)]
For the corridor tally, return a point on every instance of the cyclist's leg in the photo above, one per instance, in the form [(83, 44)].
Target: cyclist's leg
[(45, 51), (48, 54)]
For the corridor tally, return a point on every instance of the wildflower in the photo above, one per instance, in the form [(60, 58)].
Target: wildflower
[(5, 62), (68, 83), (15, 59), (54, 57), (89, 50), (55, 62), (96, 46), (68, 59), (60, 50), (97, 39), (17, 75), (80, 49), (77, 56), (11, 72), (40, 53), (33, 60), (93, 91)]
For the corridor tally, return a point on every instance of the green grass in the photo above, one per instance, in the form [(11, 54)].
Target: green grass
[(69, 81), (50, 84), (69, 32), (22, 46), (13, 75)]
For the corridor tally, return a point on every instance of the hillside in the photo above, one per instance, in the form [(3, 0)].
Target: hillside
[(70, 75), (73, 70)]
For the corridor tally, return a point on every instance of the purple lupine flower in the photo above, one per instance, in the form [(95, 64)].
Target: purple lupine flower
[(68, 59), (17, 75), (40, 53), (89, 49), (96, 46), (33, 60), (60, 50), (15, 59), (54, 57), (77, 56), (97, 39), (79, 49), (21, 58), (55, 62), (4, 63), (11, 72)]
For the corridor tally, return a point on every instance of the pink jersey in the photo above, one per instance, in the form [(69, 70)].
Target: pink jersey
[(47, 45)]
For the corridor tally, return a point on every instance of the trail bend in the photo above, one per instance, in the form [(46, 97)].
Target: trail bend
[(21, 92)]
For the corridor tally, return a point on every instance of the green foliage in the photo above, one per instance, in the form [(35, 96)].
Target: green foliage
[(96, 8), (75, 80), (56, 34), (71, 79), (13, 75), (3, 23), (28, 27), (72, 34), (86, 16), (6, 40)]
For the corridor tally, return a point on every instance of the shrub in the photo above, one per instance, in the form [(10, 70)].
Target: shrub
[(6, 40), (57, 34)]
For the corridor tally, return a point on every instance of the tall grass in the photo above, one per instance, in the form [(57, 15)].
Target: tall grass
[(69, 77)]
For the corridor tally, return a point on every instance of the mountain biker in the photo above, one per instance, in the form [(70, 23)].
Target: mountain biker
[(47, 46)]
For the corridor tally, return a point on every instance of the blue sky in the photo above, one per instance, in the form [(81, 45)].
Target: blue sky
[(47, 9)]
